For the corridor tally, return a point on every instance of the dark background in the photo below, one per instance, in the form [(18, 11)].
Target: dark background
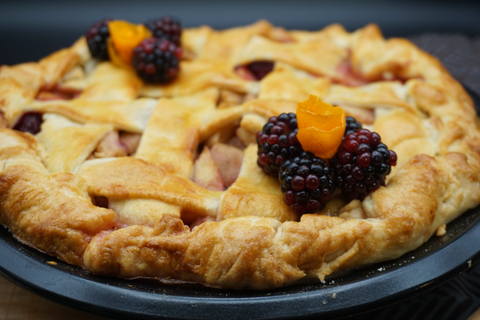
[(29, 30)]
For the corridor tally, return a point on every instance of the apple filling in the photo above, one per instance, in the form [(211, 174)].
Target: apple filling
[(218, 167), (117, 144)]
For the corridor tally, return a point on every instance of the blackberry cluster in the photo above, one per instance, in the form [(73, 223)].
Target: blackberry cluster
[(361, 164), (277, 142), (97, 37), (157, 60), (307, 183), (166, 28)]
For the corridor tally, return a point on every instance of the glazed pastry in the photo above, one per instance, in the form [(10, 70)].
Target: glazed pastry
[(132, 179)]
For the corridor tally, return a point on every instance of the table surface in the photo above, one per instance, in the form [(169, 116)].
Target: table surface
[(19, 304)]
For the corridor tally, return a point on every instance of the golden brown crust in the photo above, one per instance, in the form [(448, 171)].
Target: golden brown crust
[(49, 212), (256, 241)]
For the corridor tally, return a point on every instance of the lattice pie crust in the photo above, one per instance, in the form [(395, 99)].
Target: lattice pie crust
[(71, 192)]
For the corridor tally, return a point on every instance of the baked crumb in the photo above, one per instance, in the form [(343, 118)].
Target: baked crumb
[(442, 230)]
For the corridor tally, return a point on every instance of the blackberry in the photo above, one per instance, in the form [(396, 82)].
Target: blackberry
[(352, 125), (157, 60), (97, 37), (277, 142), (361, 164), (166, 28), (307, 183)]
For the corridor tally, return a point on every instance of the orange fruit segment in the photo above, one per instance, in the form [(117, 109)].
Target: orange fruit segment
[(114, 56), (125, 37), (320, 127)]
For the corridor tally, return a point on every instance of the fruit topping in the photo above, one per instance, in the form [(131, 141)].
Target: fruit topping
[(157, 60), (277, 142), (307, 183), (320, 127), (361, 164), (97, 37), (125, 37), (352, 125), (166, 28), (29, 122)]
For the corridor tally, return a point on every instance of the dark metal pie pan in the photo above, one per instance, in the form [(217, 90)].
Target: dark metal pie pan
[(362, 290)]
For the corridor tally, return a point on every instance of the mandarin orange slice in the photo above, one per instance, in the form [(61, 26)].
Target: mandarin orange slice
[(124, 38), (320, 127)]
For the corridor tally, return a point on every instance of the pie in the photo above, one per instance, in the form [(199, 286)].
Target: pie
[(131, 179)]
